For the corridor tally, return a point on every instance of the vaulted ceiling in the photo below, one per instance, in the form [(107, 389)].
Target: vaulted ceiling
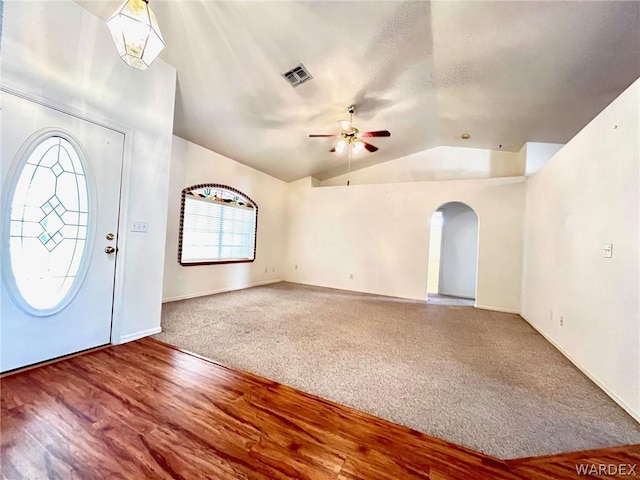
[(504, 72)]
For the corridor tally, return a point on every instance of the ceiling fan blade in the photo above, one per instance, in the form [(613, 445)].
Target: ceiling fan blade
[(371, 148), (377, 133), (321, 135)]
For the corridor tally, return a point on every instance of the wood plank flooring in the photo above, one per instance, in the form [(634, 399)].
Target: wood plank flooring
[(146, 410)]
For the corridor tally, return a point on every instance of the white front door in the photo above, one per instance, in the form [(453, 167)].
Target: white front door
[(60, 202)]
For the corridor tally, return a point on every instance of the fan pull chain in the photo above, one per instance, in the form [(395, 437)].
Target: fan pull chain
[(349, 165), (350, 145)]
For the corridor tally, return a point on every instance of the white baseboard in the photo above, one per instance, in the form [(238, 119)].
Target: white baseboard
[(497, 309), (583, 369), (220, 290), (346, 289), (135, 336)]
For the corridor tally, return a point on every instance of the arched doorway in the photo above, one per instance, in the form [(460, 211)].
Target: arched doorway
[(453, 255)]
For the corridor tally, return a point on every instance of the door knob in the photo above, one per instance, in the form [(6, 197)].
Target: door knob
[(109, 249)]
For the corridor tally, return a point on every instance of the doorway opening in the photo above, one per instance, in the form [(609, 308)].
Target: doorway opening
[(453, 255)]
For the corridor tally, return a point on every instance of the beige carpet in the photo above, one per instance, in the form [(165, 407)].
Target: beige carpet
[(481, 379)]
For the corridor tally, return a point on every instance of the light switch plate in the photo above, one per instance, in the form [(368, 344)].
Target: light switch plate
[(139, 226), (607, 250)]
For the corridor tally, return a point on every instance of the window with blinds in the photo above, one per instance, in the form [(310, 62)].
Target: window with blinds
[(218, 225)]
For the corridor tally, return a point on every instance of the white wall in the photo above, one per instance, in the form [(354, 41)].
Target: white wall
[(538, 153), (380, 234), (585, 196), (59, 52), (192, 164), (459, 251), (439, 163)]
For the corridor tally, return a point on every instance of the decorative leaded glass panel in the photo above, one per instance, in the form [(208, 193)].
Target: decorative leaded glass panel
[(49, 219)]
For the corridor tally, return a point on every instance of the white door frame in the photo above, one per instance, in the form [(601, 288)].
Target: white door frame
[(125, 184)]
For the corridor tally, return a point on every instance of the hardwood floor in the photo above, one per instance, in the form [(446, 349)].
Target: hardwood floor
[(145, 410)]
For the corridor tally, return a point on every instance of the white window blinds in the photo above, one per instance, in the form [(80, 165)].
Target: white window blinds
[(214, 231)]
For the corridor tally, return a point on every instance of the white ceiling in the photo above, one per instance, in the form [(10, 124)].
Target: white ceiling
[(505, 72)]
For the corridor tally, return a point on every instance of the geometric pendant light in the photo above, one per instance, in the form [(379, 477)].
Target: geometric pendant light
[(136, 33)]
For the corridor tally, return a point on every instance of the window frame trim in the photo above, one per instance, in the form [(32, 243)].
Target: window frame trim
[(181, 229)]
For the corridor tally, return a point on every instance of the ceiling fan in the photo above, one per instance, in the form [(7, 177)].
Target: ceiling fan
[(352, 137)]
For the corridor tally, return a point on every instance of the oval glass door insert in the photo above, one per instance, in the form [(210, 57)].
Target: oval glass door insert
[(49, 220)]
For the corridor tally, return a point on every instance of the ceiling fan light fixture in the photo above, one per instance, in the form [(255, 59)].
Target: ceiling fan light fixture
[(136, 33), (351, 138)]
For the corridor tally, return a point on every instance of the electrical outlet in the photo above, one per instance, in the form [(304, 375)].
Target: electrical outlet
[(562, 321), (607, 250), (351, 276), (265, 269), (296, 267)]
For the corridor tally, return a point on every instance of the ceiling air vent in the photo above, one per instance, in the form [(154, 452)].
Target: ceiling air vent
[(297, 75)]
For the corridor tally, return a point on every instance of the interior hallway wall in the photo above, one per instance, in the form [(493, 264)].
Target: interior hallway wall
[(379, 234), (587, 196)]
